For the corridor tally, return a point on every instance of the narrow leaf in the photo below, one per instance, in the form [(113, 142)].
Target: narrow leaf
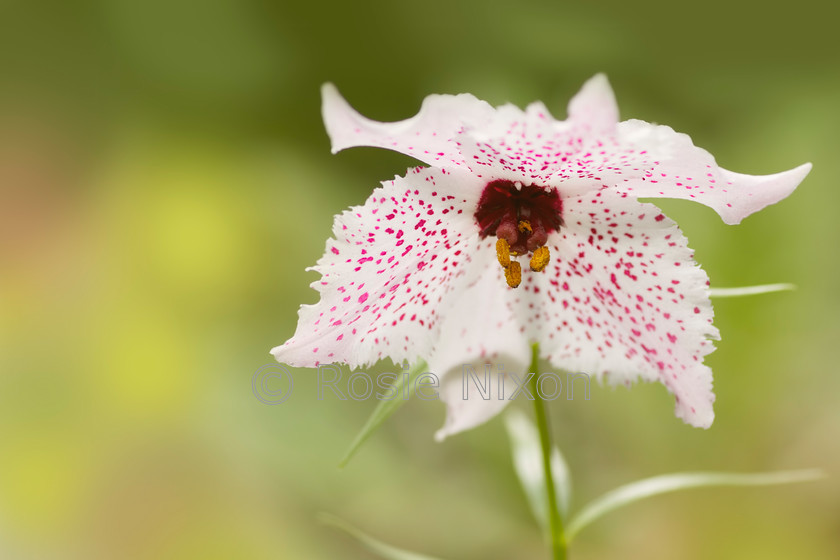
[(384, 550), (750, 290), (629, 493), (528, 463), (383, 410)]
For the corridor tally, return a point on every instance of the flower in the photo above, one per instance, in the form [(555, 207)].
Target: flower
[(431, 265)]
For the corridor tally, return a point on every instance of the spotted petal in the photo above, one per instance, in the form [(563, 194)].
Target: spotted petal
[(532, 148), (393, 267), (428, 136), (623, 298)]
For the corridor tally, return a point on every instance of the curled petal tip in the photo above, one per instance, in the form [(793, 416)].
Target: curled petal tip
[(328, 89), (801, 172), (595, 104), (797, 174), (336, 113), (755, 192), (428, 136), (600, 79)]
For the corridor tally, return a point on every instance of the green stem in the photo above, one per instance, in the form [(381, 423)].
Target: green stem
[(555, 522)]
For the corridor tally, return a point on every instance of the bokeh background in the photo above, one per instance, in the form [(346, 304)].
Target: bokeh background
[(165, 179)]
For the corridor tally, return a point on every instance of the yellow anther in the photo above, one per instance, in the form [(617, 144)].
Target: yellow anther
[(503, 252), (540, 258), (513, 274), (525, 225)]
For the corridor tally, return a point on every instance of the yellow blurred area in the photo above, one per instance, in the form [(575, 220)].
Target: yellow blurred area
[(45, 477), (165, 180)]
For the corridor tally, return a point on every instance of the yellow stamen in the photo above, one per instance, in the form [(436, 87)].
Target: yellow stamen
[(503, 252), (540, 259), (513, 274), (525, 225)]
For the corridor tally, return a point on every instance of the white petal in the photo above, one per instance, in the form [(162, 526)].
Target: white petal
[(594, 107), (428, 136), (467, 412), (390, 274), (622, 299), (479, 338), (652, 161)]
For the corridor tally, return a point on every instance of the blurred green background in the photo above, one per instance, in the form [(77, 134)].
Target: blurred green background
[(165, 179)]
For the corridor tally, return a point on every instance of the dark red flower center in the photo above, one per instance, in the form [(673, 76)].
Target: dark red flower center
[(521, 216)]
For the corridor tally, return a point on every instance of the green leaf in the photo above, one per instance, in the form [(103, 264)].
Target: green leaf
[(528, 463), (383, 410), (380, 548), (647, 487), (749, 290)]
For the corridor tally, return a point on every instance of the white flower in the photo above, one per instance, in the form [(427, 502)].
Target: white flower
[(430, 266)]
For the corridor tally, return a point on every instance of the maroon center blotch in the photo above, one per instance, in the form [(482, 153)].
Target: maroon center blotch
[(503, 210)]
